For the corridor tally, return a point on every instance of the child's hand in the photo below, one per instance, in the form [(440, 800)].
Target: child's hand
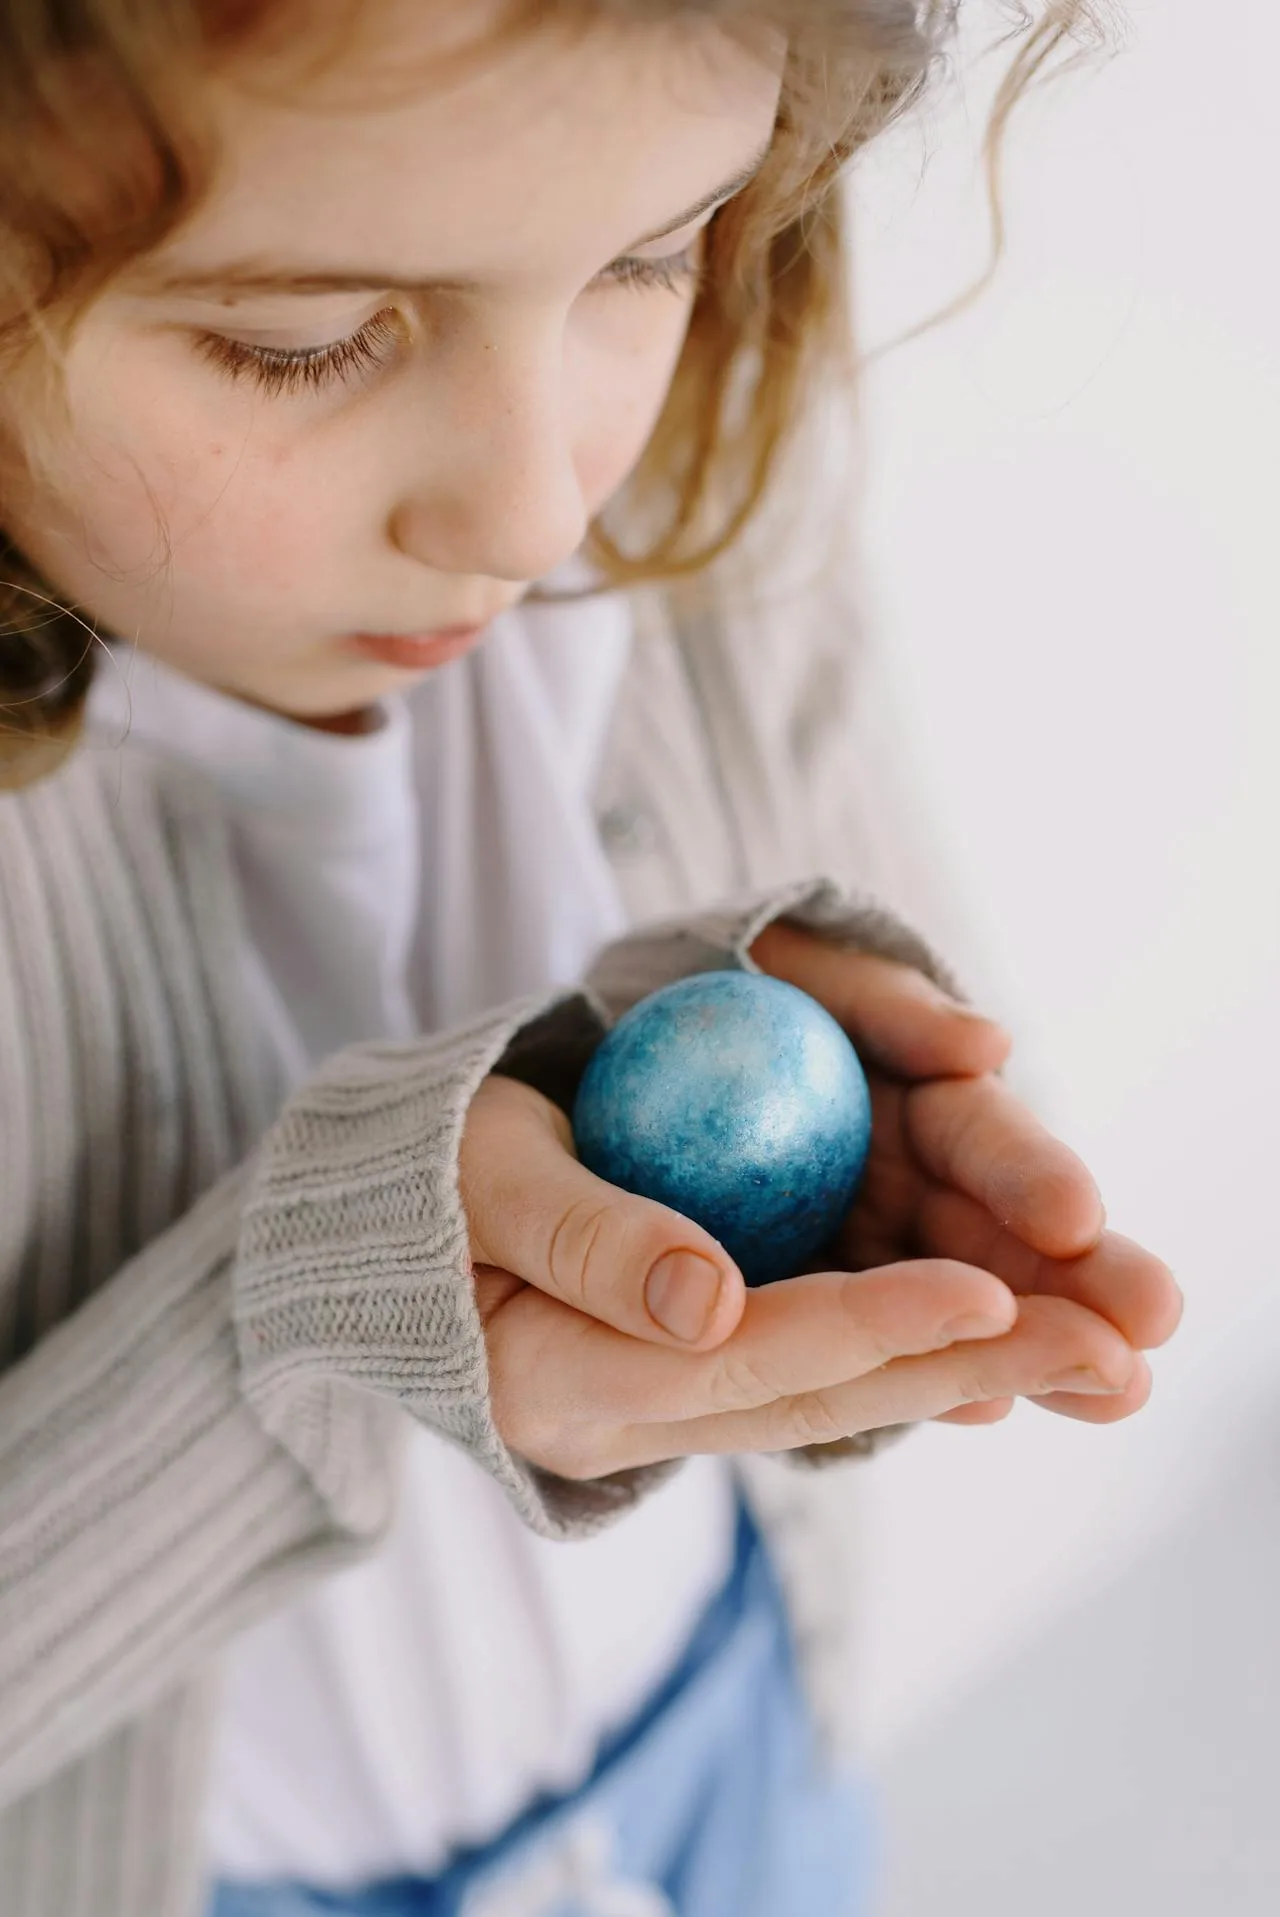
[(960, 1169), (586, 1380)]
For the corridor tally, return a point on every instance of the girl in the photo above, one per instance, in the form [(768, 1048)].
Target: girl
[(391, 644)]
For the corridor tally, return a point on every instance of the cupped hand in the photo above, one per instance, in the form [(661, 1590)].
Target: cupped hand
[(960, 1169), (619, 1333)]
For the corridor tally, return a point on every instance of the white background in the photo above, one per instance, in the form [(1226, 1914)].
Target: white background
[(1072, 1647)]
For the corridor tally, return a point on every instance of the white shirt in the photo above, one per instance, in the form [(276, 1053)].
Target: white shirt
[(394, 882)]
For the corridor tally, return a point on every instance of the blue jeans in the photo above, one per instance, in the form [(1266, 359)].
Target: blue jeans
[(711, 1803)]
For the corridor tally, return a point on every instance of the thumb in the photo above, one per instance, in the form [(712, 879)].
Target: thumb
[(534, 1211)]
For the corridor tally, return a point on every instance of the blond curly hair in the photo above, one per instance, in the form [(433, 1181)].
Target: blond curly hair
[(102, 153)]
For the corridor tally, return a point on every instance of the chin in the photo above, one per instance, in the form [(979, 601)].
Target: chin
[(332, 695)]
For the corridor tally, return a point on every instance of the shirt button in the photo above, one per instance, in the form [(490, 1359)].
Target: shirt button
[(627, 831)]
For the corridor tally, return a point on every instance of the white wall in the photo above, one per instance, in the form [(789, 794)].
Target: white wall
[(1072, 526)]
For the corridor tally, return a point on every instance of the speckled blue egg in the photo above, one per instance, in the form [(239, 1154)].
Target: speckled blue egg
[(737, 1100)]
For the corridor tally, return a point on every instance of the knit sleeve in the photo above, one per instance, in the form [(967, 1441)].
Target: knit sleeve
[(217, 1312), (221, 1417)]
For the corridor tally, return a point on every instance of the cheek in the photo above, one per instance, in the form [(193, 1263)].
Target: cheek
[(173, 481), (185, 510), (269, 522), (628, 374)]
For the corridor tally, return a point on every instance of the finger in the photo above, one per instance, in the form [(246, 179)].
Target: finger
[(1117, 1278), (897, 1018), (994, 1411), (493, 1289), (534, 1211), (974, 1134), (1088, 1410), (1052, 1339), (805, 1335)]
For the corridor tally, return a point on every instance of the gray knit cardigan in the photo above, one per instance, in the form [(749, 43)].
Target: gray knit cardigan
[(219, 1307)]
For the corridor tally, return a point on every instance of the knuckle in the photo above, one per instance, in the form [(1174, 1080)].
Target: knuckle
[(875, 1345), (739, 1383), (875, 1349), (577, 1256), (972, 1387), (948, 1120), (814, 1418)]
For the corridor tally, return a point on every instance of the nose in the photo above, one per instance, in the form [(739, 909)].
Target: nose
[(495, 491)]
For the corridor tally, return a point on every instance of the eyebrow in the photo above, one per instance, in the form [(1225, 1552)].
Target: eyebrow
[(254, 276)]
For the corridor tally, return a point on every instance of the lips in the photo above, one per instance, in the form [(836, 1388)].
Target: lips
[(414, 652)]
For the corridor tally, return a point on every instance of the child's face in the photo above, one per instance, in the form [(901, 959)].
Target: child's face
[(481, 421)]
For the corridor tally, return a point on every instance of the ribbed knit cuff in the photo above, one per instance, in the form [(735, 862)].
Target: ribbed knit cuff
[(658, 954), (354, 1299)]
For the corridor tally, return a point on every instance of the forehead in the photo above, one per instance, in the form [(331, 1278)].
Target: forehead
[(537, 150)]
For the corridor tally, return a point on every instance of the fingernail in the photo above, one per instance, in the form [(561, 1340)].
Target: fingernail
[(974, 1326), (681, 1293), (1081, 1379)]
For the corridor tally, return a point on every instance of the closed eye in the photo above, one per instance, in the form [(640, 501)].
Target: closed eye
[(673, 273), (288, 369)]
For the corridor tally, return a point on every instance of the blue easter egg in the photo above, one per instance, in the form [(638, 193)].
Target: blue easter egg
[(737, 1100)]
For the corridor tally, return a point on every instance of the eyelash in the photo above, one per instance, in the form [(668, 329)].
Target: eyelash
[(278, 369), (672, 274)]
